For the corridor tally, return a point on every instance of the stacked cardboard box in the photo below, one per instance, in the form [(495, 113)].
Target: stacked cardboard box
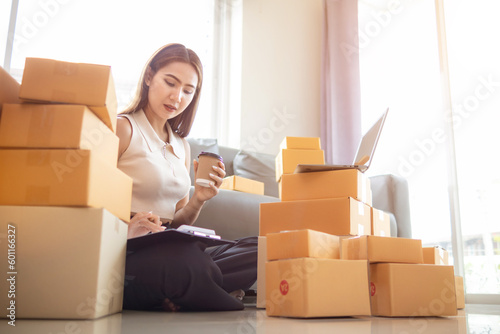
[(298, 150), (401, 284), (333, 202), (62, 194), (306, 278), (339, 203)]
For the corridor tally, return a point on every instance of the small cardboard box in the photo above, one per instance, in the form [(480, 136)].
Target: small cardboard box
[(381, 223), (64, 263), (309, 287), (63, 178), (287, 160), (338, 216), (57, 126), (9, 89), (435, 255), (302, 243), (92, 85), (301, 143), (261, 272), (412, 290), (242, 184), (328, 184), (460, 292), (382, 249)]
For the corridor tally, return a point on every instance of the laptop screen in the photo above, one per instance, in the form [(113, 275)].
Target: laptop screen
[(370, 139)]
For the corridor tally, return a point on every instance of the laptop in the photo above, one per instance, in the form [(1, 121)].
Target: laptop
[(364, 155)]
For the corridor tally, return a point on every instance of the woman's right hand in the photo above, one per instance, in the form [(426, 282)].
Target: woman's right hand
[(142, 223)]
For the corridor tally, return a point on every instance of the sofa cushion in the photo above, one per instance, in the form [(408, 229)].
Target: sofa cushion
[(257, 166), (198, 145)]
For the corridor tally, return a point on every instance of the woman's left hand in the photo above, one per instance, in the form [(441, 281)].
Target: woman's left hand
[(205, 193)]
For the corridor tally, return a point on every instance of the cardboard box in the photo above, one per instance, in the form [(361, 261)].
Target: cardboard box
[(63, 178), (261, 272), (301, 143), (382, 249), (242, 184), (309, 287), (412, 290), (460, 292), (381, 223), (287, 160), (9, 89), (92, 85), (338, 216), (57, 126), (328, 184), (67, 263), (435, 255), (302, 243)]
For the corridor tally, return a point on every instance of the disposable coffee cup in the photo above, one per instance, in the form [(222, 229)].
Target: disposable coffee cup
[(206, 160)]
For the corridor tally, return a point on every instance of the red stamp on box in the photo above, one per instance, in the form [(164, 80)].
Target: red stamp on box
[(372, 288), (284, 287)]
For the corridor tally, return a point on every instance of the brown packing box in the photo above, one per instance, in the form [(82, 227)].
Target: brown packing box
[(242, 184), (92, 85), (68, 263), (460, 292), (302, 243), (412, 290), (435, 255), (301, 143), (309, 287), (57, 126), (287, 160), (382, 249), (63, 178), (338, 216), (328, 184), (261, 272), (381, 223), (9, 88)]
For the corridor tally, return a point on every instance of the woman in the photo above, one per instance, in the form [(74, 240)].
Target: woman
[(154, 152)]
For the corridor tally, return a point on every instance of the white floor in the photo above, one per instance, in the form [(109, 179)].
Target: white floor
[(473, 319)]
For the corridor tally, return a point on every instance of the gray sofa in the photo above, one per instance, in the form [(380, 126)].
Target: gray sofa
[(234, 214)]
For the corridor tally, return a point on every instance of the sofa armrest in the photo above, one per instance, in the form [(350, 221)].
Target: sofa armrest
[(232, 214), (390, 194)]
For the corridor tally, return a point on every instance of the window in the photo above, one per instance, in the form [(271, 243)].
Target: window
[(422, 140), (120, 33)]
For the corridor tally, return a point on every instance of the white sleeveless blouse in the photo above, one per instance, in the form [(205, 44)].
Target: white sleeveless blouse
[(158, 170)]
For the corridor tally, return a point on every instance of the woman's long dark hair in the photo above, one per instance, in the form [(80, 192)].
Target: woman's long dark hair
[(167, 54)]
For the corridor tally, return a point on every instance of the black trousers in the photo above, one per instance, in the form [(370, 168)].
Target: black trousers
[(189, 275)]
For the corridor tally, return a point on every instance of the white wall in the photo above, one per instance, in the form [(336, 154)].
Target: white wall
[(281, 58)]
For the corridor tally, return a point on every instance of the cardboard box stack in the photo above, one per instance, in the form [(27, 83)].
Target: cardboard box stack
[(400, 283), (339, 204), (64, 203)]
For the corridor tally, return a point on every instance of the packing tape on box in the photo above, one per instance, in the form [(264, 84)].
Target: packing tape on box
[(41, 119), (353, 248), (364, 186), (361, 209), (361, 229), (64, 68), (37, 195)]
